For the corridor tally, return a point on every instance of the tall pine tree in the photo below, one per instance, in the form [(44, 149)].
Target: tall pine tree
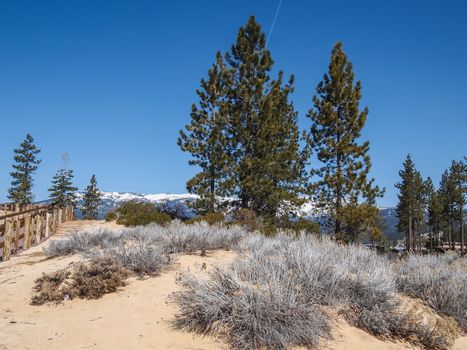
[(62, 192), (91, 200), (410, 208), (25, 166), (447, 196), (458, 173), (244, 133), (334, 137), (268, 162), (206, 139), (433, 212)]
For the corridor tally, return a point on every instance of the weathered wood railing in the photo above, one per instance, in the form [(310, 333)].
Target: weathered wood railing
[(21, 227)]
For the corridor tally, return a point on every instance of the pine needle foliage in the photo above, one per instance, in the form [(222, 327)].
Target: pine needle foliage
[(410, 208), (91, 200), (334, 137), (62, 192), (243, 133), (26, 164), (206, 139)]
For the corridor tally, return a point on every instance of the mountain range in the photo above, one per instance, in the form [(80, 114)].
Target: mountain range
[(111, 200)]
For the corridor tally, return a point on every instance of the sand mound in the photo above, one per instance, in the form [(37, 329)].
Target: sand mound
[(134, 318)]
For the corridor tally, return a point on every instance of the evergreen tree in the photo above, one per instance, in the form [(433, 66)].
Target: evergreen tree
[(91, 200), (433, 211), (337, 125), (410, 209), (206, 139), (447, 196), (243, 133), (25, 166), (458, 171), (62, 191), (361, 221), (268, 162)]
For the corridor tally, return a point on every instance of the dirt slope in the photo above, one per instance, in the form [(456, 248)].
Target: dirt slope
[(134, 318)]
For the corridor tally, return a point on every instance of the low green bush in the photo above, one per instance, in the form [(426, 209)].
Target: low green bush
[(134, 213), (210, 218), (301, 225), (111, 215)]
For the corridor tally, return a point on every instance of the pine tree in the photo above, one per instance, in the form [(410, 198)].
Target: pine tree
[(458, 172), (243, 133), (361, 221), (62, 191), (91, 200), (337, 126), (433, 212), (26, 163), (268, 162), (206, 139), (410, 209), (447, 195)]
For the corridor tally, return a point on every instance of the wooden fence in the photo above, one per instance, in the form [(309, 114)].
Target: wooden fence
[(22, 227)]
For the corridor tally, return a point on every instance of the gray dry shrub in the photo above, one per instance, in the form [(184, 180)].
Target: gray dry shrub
[(242, 301), (82, 242), (247, 315), (440, 281), (140, 256), (273, 295)]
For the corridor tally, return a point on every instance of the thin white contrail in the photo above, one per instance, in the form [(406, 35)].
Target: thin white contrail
[(274, 22)]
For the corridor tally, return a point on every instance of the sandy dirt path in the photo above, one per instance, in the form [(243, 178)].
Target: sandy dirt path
[(137, 317)]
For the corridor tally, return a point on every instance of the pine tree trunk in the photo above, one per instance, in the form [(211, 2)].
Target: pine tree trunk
[(462, 235), (410, 235), (452, 235), (431, 238), (212, 195)]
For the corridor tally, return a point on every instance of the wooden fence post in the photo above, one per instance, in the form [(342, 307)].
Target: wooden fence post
[(7, 240), (38, 228), (27, 232), (17, 227), (47, 224)]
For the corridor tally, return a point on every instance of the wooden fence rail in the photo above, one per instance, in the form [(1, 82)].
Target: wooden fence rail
[(30, 225)]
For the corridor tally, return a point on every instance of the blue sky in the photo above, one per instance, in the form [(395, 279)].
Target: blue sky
[(111, 82)]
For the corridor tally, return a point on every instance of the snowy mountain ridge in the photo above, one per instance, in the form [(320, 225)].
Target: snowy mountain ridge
[(111, 200)]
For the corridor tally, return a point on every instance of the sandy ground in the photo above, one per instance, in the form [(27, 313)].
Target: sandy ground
[(137, 317)]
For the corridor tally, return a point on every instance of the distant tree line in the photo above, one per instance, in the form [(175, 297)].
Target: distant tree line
[(245, 139), (62, 191), (423, 208)]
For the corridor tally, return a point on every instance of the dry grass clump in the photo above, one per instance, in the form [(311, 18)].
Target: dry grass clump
[(51, 288), (175, 237), (84, 280), (249, 315), (440, 281), (140, 256), (82, 242), (296, 279), (407, 325)]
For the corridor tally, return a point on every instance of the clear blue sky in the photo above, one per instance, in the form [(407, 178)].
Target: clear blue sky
[(112, 82)]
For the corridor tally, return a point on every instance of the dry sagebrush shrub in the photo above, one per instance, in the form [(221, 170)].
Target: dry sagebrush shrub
[(82, 242), (440, 281), (273, 296), (50, 288), (248, 315), (84, 280)]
